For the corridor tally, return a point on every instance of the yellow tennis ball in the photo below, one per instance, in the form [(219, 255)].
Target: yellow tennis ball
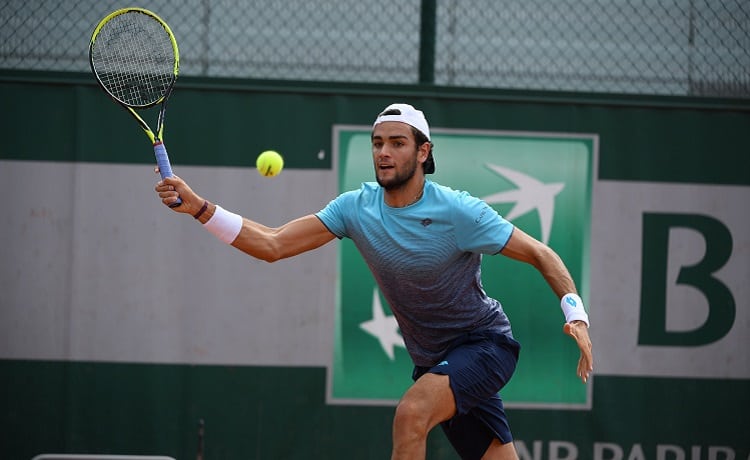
[(269, 163)]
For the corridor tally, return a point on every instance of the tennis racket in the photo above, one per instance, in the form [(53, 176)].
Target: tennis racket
[(134, 57)]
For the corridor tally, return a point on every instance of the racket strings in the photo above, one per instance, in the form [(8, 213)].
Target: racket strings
[(134, 59)]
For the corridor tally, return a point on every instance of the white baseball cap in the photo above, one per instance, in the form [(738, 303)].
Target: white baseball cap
[(406, 113)]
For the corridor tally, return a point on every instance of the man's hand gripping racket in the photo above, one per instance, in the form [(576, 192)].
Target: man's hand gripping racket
[(134, 56)]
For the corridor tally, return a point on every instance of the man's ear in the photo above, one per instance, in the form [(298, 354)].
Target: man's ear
[(424, 151)]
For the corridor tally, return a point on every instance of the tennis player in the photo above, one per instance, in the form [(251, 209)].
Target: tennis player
[(423, 243)]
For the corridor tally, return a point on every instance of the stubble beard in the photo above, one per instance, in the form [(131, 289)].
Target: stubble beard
[(400, 179)]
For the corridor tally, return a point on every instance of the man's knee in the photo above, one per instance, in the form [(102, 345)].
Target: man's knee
[(411, 414)]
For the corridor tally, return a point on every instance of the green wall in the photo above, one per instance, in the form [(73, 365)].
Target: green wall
[(278, 411), (217, 122)]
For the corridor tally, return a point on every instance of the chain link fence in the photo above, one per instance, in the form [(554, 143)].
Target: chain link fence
[(655, 47)]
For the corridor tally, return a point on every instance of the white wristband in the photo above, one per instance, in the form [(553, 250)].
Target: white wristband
[(224, 225), (572, 307)]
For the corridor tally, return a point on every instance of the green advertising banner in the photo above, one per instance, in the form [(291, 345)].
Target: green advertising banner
[(542, 183)]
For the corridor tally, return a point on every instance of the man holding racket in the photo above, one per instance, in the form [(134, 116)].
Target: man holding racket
[(423, 243)]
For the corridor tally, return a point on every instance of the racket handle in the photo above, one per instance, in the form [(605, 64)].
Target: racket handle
[(165, 168)]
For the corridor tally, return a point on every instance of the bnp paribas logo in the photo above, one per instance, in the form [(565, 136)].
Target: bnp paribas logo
[(539, 181)]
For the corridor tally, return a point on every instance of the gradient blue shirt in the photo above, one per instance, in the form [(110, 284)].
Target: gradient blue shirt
[(426, 259)]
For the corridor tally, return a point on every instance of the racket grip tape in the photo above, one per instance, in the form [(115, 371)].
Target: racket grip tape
[(165, 168)]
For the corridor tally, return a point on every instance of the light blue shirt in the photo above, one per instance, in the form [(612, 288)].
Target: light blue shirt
[(426, 259)]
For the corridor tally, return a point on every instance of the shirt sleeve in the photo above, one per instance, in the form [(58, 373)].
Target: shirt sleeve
[(333, 215), (479, 228)]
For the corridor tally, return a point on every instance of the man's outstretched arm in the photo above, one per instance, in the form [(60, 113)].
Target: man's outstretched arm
[(255, 239)]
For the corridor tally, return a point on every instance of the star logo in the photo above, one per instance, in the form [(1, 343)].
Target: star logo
[(531, 194), (383, 327)]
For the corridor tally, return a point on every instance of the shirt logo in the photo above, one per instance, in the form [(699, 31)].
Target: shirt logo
[(426, 222), (481, 215)]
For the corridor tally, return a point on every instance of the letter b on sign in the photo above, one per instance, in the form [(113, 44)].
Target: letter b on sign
[(654, 283)]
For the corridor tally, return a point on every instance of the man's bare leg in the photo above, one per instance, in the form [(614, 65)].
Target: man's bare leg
[(428, 402)]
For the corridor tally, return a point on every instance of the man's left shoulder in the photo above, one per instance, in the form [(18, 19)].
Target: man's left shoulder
[(447, 192)]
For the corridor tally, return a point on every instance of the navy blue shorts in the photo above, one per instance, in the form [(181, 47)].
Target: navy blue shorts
[(478, 364)]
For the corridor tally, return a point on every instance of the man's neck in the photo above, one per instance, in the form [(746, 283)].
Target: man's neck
[(407, 195)]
